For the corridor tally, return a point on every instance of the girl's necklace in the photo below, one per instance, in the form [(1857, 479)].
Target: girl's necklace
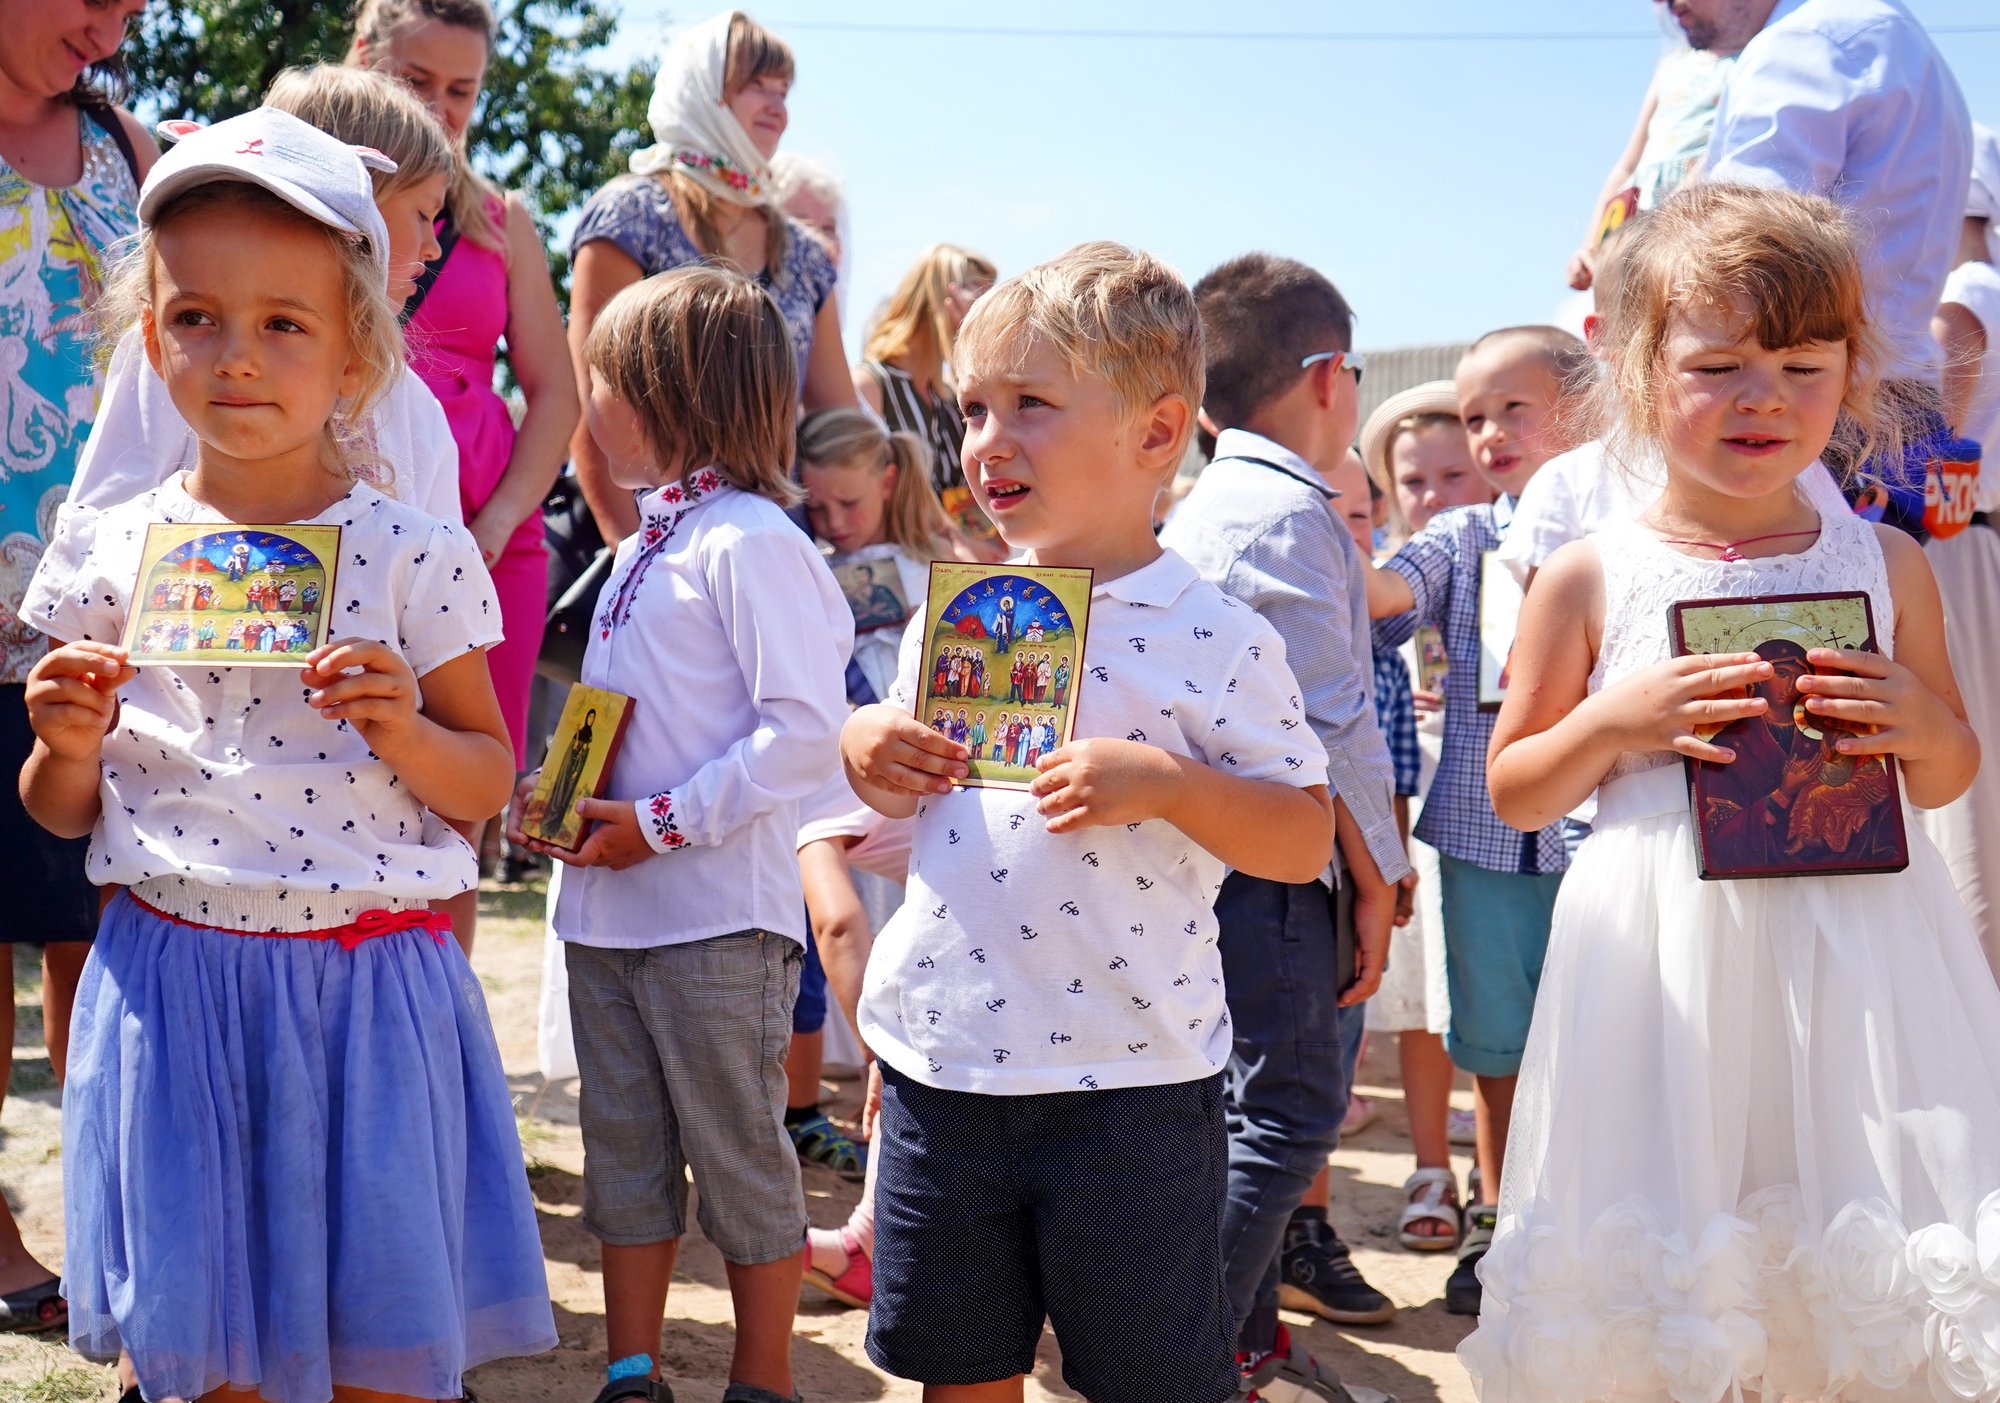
[(1728, 549)]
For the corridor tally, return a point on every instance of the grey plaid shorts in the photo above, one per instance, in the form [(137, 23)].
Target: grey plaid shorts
[(681, 1051)]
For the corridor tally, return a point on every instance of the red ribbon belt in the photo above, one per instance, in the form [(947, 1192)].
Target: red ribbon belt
[(366, 926)]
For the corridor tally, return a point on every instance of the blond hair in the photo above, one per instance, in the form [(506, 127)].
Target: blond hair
[(471, 195), (702, 354), (1793, 259), (915, 518), (364, 108), (374, 334), (918, 304), (1111, 312)]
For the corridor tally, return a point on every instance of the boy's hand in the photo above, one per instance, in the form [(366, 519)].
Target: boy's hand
[(72, 697), (524, 789), (1406, 898), (1375, 905), (379, 701), (1098, 782), (1879, 692), (615, 839), (892, 750)]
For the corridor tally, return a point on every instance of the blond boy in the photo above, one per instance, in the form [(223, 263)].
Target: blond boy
[(1048, 1005)]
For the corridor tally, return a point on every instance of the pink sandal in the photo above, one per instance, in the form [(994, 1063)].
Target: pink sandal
[(854, 1285)]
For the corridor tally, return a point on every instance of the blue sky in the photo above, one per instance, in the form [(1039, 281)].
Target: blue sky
[(1441, 184)]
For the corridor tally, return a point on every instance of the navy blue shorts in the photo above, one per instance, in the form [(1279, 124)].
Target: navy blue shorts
[(1097, 1210), (49, 896), (809, 1013)]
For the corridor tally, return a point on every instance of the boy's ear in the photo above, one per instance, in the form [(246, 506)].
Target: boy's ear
[(1168, 424)]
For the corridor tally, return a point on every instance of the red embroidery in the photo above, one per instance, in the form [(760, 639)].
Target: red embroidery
[(665, 830), (658, 528)]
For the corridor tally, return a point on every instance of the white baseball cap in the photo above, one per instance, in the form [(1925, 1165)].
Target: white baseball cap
[(313, 172), (1982, 200)]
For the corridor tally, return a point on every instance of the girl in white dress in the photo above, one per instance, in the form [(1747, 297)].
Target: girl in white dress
[(1756, 1143)]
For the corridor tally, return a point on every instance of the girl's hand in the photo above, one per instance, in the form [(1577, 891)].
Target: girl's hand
[(615, 839), (893, 751), (72, 697), (379, 701), (1098, 782), (1912, 721), (1659, 707), (871, 1101), (524, 789)]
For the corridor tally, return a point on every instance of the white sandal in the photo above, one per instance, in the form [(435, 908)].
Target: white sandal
[(1433, 1196)]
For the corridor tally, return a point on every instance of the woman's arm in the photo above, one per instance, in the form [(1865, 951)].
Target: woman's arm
[(542, 366), (1583, 263), (602, 270), (1554, 742), (1962, 337), (827, 385)]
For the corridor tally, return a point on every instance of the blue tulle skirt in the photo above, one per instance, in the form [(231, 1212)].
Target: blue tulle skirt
[(288, 1165)]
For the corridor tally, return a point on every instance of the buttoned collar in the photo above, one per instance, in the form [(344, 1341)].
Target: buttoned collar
[(1241, 443), (1157, 584)]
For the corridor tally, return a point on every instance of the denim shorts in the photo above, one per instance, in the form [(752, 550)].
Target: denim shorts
[(680, 1051), (1496, 933), (1097, 1210)]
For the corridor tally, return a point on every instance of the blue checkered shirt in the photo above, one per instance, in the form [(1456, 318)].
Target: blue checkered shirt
[(1441, 563), (1396, 718)]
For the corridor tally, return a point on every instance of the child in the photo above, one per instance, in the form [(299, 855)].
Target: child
[(270, 1003), (683, 911), (1415, 448), (1283, 386), (1498, 885), (1048, 1004), (140, 438), (1759, 1121), (868, 495)]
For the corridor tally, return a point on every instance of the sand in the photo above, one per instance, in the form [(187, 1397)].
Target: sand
[(1410, 1357)]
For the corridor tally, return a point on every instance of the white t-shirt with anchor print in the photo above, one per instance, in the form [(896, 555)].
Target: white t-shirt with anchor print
[(1025, 961)]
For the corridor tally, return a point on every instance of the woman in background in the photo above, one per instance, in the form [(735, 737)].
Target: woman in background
[(490, 280)]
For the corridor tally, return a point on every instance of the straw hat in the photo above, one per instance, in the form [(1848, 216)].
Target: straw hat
[(1432, 397)]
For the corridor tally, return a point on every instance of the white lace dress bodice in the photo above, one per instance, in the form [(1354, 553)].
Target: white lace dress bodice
[(1644, 578)]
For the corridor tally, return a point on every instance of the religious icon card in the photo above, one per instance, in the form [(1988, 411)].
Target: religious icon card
[(224, 595), (1789, 804), (581, 751), (874, 591), (1002, 663), (970, 518), (1500, 598)]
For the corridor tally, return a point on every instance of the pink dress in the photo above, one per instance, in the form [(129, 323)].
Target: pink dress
[(452, 337)]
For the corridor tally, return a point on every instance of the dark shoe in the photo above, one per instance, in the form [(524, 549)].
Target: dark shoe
[(643, 1389), (820, 1141), (1316, 1274), (37, 1307), (752, 1393), (1461, 1291)]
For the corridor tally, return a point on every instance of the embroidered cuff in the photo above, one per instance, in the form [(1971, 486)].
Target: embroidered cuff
[(659, 820)]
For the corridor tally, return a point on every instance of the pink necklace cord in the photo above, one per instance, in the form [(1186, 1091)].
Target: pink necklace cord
[(1728, 549)]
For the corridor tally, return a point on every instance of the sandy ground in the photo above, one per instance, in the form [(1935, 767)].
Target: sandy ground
[(1410, 1357)]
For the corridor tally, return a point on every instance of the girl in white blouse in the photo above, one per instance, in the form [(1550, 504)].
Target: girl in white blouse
[(683, 914), (289, 1155)]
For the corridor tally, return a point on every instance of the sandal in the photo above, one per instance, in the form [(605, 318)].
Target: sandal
[(1433, 1195), (856, 1282), (37, 1307), (820, 1141), (640, 1387)]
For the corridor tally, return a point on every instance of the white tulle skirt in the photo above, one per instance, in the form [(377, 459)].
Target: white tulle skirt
[(1756, 1139)]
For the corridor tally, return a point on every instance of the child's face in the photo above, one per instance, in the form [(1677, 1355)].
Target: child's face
[(1433, 470), (1353, 507), (1058, 463), (411, 215), (1508, 398), (621, 436), (248, 327), (848, 503), (1738, 419)]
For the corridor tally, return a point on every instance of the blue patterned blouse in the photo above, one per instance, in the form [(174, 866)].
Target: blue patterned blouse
[(636, 213)]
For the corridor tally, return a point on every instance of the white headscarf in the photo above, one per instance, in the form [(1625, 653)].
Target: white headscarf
[(1982, 201), (693, 129)]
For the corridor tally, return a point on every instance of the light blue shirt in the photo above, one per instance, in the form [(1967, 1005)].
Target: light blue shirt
[(1261, 531), (1851, 100)]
